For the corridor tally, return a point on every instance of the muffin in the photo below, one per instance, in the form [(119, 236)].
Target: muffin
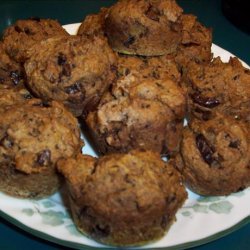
[(219, 87), (215, 156), (144, 113), (196, 42), (33, 136), (123, 199), (11, 73), (144, 27), (19, 37), (93, 24), (73, 70)]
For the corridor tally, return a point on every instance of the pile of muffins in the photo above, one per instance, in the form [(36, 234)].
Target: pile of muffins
[(131, 75)]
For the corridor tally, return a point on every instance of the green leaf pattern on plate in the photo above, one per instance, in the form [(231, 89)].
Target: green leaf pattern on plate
[(208, 204)]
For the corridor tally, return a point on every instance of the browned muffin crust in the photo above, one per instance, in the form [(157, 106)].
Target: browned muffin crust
[(196, 42), (73, 70), (139, 113), (219, 87), (123, 199), (10, 97), (148, 67), (11, 73), (216, 156), (21, 36), (93, 24), (143, 27), (33, 136)]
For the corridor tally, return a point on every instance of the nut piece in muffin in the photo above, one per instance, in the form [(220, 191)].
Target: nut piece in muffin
[(33, 136), (73, 70), (93, 24), (123, 199), (215, 156), (11, 73), (22, 35), (144, 27), (139, 112), (196, 42), (219, 87)]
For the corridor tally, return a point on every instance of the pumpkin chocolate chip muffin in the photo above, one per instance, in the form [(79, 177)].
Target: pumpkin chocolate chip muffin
[(219, 87), (22, 35), (33, 136), (123, 199), (215, 156), (73, 70), (144, 27), (139, 112)]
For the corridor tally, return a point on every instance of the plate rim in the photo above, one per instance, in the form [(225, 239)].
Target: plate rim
[(79, 246)]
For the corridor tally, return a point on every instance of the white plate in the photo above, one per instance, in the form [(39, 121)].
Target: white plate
[(200, 220)]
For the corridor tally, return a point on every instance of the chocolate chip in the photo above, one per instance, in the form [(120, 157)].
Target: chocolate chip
[(208, 102), (127, 71), (15, 76), (73, 89), (66, 71), (129, 41), (18, 29), (236, 77), (44, 157), (234, 144), (153, 13), (205, 149), (61, 59), (27, 31), (44, 104)]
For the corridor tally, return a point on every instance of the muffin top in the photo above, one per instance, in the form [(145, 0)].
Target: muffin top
[(35, 135), (142, 27), (122, 195), (215, 156), (74, 70), (218, 86)]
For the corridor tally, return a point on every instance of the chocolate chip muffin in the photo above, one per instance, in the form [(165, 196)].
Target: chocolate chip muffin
[(11, 73), (123, 199), (93, 24), (196, 42), (215, 156), (139, 113), (33, 136), (144, 27), (219, 87), (19, 37), (73, 70)]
